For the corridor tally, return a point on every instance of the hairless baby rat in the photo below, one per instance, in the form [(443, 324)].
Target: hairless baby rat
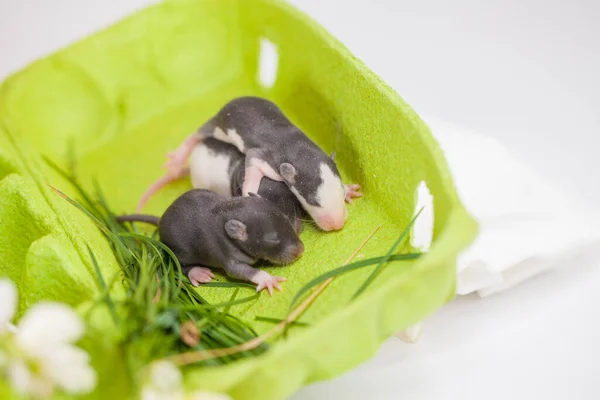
[(274, 148), (205, 229), (220, 167)]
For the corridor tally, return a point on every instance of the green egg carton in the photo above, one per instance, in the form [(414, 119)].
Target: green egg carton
[(116, 102)]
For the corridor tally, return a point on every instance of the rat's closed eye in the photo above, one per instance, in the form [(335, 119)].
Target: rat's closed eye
[(271, 238)]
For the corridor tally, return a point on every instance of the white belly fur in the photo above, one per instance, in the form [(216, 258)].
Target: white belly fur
[(209, 170)]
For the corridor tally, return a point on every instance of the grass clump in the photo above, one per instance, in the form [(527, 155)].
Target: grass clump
[(162, 314)]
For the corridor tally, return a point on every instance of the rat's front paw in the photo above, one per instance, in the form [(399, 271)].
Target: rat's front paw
[(198, 275), (264, 280), (352, 191)]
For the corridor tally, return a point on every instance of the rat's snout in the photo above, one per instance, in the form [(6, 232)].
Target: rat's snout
[(330, 223), (294, 252), (299, 250)]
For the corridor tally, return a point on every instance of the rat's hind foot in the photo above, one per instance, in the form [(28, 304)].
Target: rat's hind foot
[(177, 159), (352, 191), (264, 280), (198, 275)]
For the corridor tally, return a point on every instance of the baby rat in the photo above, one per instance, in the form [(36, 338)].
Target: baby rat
[(204, 229), (277, 149), (219, 166)]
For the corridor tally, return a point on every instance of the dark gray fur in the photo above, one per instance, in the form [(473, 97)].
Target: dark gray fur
[(276, 192), (204, 229), (270, 136)]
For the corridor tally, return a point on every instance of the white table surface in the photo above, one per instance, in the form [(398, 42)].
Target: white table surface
[(525, 72)]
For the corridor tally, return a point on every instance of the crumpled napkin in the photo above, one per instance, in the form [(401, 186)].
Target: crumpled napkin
[(525, 224)]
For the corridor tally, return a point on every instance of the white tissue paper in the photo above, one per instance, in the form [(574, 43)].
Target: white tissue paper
[(525, 224)]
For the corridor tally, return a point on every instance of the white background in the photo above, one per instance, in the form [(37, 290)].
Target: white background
[(525, 72)]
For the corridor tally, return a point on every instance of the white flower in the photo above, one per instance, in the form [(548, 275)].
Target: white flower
[(165, 382), (39, 356)]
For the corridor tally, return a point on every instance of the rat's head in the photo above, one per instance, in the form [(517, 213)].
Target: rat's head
[(318, 186), (263, 232), (282, 197)]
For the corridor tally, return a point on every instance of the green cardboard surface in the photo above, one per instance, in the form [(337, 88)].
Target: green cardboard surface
[(123, 97)]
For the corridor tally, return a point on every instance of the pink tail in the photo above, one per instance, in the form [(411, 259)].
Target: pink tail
[(158, 184)]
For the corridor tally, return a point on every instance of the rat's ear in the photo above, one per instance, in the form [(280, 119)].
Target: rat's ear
[(288, 173), (236, 230), (332, 155)]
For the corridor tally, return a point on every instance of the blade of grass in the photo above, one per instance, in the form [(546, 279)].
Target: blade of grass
[(347, 268), (229, 285), (157, 243), (102, 297), (104, 288), (278, 321), (114, 238), (219, 305), (73, 182), (233, 296), (167, 288), (379, 267)]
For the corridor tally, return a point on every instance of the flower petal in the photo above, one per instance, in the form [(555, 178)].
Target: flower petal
[(151, 393), (8, 302), (11, 328), (24, 382), (200, 395), (19, 376), (165, 376), (46, 325), (69, 368)]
